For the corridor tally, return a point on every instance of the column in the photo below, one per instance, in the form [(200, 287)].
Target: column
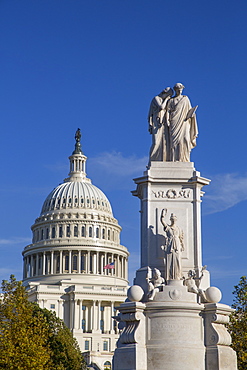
[(93, 315), (97, 262), (94, 263), (80, 314), (99, 314), (105, 263), (72, 312), (88, 262), (43, 263), (112, 260), (37, 264), (31, 269), (79, 262), (87, 326), (111, 319), (122, 267), (60, 262), (70, 255), (117, 267), (102, 264), (125, 268), (52, 262)]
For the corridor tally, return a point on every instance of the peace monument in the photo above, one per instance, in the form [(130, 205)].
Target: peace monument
[(172, 319)]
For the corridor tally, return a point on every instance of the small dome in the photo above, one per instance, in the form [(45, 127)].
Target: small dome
[(79, 195)]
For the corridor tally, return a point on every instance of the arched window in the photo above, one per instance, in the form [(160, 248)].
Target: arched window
[(90, 232), (76, 230), (107, 365), (83, 231), (97, 232)]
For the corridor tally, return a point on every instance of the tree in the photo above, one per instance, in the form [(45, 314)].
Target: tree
[(23, 335), (32, 338), (238, 323)]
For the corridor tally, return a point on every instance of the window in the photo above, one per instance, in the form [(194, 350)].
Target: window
[(86, 345), (102, 326), (109, 235), (68, 231), (47, 233), (37, 237), (60, 231), (74, 262), (83, 308), (97, 232), (105, 345), (58, 264), (83, 325), (107, 365), (52, 306), (90, 232), (102, 308), (103, 234), (76, 230), (66, 263), (42, 234), (53, 232), (83, 231)]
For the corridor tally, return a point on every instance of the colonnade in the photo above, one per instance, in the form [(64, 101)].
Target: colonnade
[(74, 261), (69, 230)]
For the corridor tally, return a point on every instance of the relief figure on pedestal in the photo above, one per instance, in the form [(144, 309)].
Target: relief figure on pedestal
[(182, 124), (172, 248), (157, 127), (193, 283)]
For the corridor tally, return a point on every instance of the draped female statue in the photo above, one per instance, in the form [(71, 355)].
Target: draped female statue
[(181, 120), (160, 138), (173, 248)]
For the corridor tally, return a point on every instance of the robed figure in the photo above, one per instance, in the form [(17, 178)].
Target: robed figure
[(172, 248)]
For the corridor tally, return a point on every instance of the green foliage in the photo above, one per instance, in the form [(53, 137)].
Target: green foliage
[(32, 338), (23, 335), (238, 323)]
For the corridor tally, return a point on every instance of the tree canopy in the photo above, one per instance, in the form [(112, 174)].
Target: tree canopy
[(238, 323), (32, 338)]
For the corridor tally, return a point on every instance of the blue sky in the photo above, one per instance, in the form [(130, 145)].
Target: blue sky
[(96, 65)]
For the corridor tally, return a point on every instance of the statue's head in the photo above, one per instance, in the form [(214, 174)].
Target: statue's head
[(191, 273), (173, 218), (157, 272), (167, 91), (178, 86)]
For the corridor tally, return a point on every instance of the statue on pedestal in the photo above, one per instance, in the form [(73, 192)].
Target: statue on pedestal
[(173, 248), (172, 122)]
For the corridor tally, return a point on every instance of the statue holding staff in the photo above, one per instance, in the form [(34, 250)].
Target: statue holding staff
[(172, 248)]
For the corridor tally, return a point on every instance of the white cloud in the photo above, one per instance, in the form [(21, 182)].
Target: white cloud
[(225, 191), (116, 164), (15, 240)]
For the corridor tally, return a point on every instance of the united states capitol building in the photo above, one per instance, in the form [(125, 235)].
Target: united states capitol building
[(65, 269)]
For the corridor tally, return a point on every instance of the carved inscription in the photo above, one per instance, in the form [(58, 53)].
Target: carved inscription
[(172, 193)]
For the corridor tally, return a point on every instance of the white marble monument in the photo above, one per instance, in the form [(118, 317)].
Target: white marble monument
[(172, 319)]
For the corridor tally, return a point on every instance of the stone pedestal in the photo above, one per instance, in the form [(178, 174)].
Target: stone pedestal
[(175, 186), (131, 351)]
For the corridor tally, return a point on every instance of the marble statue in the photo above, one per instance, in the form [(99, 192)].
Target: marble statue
[(172, 248), (157, 127), (193, 283), (172, 123), (155, 283), (181, 121)]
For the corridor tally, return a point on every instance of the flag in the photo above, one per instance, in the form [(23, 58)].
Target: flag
[(109, 266)]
